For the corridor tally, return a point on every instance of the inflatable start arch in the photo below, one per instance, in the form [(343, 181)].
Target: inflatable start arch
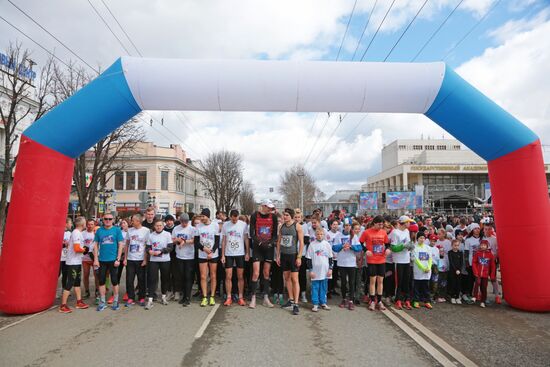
[(30, 258)]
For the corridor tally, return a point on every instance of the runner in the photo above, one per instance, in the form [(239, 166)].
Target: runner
[(302, 276), (263, 232), (87, 261), (375, 239), (169, 225), (62, 265), (290, 247), (148, 222), (159, 246), (319, 262), (235, 251), (108, 246), (401, 247), (183, 237), (73, 263), (207, 241), (347, 249), (135, 260)]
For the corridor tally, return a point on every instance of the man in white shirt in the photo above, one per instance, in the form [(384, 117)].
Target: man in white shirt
[(235, 251)]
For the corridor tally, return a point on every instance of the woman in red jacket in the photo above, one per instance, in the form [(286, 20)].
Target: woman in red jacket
[(484, 268)]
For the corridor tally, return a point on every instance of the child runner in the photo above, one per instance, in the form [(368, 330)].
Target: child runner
[(444, 246), (489, 235), (347, 249), (456, 261), (319, 262), (422, 255), (483, 266), (471, 246), (159, 246), (73, 262), (434, 280)]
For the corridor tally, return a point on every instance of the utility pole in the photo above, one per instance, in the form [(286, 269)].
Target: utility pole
[(301, 175)]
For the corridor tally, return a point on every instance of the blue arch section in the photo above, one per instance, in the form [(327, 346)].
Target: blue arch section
[(477, 121), (89, 115)]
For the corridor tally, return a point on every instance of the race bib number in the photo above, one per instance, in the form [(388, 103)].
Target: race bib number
[(423, 256), (134, 247), (286, 241), (483, 261), (378, 249), (206, 243), (233, 244)]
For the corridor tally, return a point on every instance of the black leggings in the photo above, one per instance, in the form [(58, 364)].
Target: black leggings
[(403, 276), (133, 269), (302, 276), (277, 283), (347, 282), (63, 272), (389, 281), (108, 266), (453, 284), (186, 272), (175, 276), (153, 277)]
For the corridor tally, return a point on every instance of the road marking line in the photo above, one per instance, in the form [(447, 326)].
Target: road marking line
[(26, 318), (206, 322), (436, 339), (436, 354)]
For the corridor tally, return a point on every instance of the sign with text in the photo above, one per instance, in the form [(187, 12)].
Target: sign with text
[(401, 200)]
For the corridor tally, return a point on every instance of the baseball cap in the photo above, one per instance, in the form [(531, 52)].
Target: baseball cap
[(206, 212), (433, 237), (268, 203), (413, 227), (184, 217), (405, 219)]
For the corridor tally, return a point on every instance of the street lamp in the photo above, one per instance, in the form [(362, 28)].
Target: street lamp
[(301, 174)]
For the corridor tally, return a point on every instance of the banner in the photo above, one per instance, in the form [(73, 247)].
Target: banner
[(401, 200), (487, 190), (368, 201)]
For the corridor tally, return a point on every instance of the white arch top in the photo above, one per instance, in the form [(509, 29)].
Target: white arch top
[(300, 86)]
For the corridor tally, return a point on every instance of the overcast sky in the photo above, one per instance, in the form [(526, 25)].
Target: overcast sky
[(501, 47)]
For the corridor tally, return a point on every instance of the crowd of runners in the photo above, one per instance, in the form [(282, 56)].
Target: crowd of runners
[(378, 261)]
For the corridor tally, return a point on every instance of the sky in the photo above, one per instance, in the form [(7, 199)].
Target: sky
[(502, 47)]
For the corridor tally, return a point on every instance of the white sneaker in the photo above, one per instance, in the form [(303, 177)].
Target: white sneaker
[(315, 308), (453, 301), (177, 296), (149, 304), (458, 301), (441, 300), (325, 307), (171, 296), (482, 304), (164, 300), (267, 303), (303, 299), (252, 303)]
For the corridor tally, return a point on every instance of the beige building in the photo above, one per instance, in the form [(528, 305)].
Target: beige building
[(159, 176)]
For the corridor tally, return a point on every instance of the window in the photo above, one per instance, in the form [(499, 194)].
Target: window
[(180, 182), (130, 180), (189, 186), (456, 147), (119, 181), (441, 147), (402, 147), (164, 180), (142, 180), (417, 147), (429, 147)]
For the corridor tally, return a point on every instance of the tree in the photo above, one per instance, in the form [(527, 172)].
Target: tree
[(20, 103), (102, 160), (290, 187), (223, 178), (246, 199)]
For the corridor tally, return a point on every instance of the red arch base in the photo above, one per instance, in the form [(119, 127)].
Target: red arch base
[(36, 223), (522, 215)]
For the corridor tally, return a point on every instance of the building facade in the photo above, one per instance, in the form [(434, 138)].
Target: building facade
[(347, 200), (160, 176), (448, 175)]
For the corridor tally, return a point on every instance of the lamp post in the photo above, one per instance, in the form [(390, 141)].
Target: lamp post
[(301, 174)]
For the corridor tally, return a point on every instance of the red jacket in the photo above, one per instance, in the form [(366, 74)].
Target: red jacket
[(483, 264)]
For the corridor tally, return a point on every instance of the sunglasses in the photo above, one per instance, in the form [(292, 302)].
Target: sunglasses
[(107, 218)]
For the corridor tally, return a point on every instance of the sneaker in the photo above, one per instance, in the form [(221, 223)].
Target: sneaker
[(398, 305), (482, 304), (453, 301), (171, 296), (97, 300), (381, 306), (125, 297), (458, 301), (351, 306), (149, 305), (416, 304), (212, 301), (241, 302), (366, 299), (129, 303), (101, 306), (142, 302), (115, 306), (204, 302), (181, 300), (288, 305), (498, 300), (228, 302), (372, 306), (267, 303), (315, 308), (164, 300), (325, 307), (186, 302), (81, 305), (252, 303), (65, 309), (408, 305), (441, 300), (276, 298), (110, 300), (343, 304), (295, 310), (281, 300), (303, 299), (428, 305)]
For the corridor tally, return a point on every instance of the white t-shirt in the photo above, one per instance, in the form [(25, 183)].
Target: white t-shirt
[(207, 235), (493, 245), (319, 253), (471, 244), (159, 241), (66, 238), (234, 235), (423, 254), (324, 224), (137, 240), (88, 238), (347, 259), (186, 251), (332, 238), (444, 263), (74, 258), (398, 236)]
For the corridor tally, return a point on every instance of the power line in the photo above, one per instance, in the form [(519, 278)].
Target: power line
[(122, 28), (109, 28), (378, 29), (317, 139), (406, 29), (436, 31), (346, 32), (364, 30), (38, 44), (54, 37), (470, 31), (191, 127)]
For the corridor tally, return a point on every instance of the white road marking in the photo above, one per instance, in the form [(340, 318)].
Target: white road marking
[(437, 340), (26, 318), (436, 354), (206, 322)]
